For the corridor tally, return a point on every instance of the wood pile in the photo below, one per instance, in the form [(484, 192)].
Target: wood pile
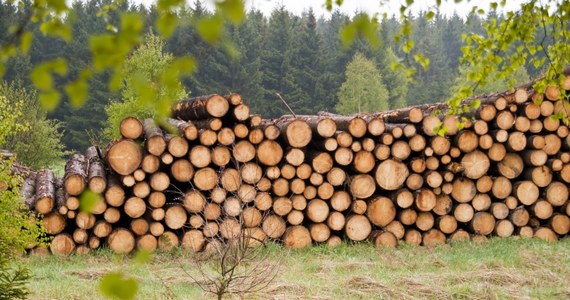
[(214, 170)]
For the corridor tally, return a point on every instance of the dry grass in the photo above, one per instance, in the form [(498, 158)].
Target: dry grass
[(507, 268)]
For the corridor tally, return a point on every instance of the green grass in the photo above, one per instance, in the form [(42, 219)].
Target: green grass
[(499, 268)]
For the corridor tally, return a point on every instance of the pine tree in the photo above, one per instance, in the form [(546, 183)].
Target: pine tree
[(276, 64), (363, 90), (394, 80), (307, 66)]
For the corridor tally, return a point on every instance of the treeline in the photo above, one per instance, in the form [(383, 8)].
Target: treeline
[(300, 57)]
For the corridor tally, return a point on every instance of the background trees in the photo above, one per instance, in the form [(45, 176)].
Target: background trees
[(299, 56), (27, 132), (363, 90)]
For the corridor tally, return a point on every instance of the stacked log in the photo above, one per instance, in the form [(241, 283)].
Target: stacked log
[(214, 170)]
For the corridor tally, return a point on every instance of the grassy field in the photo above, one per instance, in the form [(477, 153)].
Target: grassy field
[(499, 268)]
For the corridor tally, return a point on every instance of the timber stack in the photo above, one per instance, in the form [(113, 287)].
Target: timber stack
[(215, 170)]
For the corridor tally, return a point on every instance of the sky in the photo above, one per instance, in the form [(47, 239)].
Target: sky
[(448, 7)]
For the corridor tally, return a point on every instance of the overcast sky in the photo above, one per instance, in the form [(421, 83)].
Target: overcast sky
[(448, 7)]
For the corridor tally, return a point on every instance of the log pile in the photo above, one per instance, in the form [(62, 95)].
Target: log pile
[(214, 170)]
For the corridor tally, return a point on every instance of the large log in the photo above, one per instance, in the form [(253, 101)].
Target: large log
[(124, 157)]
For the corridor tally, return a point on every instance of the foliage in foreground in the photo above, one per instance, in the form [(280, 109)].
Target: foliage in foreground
[(35, 139), (18, 231)]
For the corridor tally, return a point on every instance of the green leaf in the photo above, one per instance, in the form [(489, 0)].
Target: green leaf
[(430, 15), (58, 5), (142, 256), (233, 10), (131, 23), (475, 104), (77, 91), (41, 77), (210, 29), (328, 5), (116, 285), (26, 41), (166, 24), (347, 35), (49, 99), (163, 5), (494, 5), (88, 200), (59, 66), (408, 46)]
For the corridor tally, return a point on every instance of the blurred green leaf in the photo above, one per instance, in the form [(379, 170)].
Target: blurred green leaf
[(41, 77), (475, 104), (58, 5), (166, 24), (88, 200), (49, 99), (117, 286), (142, 256), (131, 23), (430, 15), (233, 10), (210, 28), (77, 92), (26, 41), (163, 5)]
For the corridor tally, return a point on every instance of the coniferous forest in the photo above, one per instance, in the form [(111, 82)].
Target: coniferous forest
[(301, 57)]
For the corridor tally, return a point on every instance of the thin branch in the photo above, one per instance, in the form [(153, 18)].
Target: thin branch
[(287, 105)]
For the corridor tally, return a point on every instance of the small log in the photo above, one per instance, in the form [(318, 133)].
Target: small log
[(381, 211), (131, 128), (155, 141), (357, 227), (463, 212), (296, 237), (502, 187), (556, 193), (519, 216), (511, 166), (425, 221), (273, 226), (175, 217), (363, 186), (75, 175), (62, 244), (205, 179), (391, 175), (202, 107), (433, 238), (182, 170), (526, 192), (187, 129), (45, 192)]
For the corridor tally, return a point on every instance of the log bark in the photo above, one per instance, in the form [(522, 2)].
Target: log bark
[(202, 107), (75, 175), (45, 192)]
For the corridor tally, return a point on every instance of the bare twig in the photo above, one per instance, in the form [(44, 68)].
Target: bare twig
[(287, 105)]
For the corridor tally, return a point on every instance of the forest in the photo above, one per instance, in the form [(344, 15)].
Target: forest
[(301, 57)]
